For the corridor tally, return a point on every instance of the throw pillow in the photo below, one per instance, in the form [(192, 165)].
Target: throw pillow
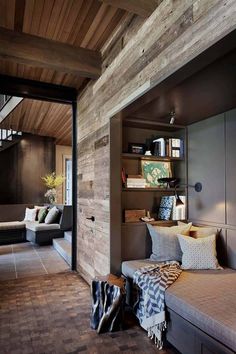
[(52, 216), (38, 208), (198, 253), (30, 214), (165, 245), (42, 215)]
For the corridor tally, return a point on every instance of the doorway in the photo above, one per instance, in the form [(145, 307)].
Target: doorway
[(54, 94)]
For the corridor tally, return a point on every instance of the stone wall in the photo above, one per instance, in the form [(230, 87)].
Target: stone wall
[(177, 32)]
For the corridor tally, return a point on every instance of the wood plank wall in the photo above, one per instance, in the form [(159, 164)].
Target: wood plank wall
[(174, 34)]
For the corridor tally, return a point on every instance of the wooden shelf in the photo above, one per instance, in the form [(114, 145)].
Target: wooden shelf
[(156, 222), (153, 189), (148, 158)]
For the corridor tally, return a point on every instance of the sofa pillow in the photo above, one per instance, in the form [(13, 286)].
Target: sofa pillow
[(198, 253), (200, 231), (30, 214), (52, 216), (165, 245), (178, 229), (38, 208), (42, 215)]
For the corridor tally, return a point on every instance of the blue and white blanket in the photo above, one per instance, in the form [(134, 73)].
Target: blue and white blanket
[(152, 282)]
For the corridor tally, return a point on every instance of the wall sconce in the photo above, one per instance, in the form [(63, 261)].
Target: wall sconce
[(197, 187)]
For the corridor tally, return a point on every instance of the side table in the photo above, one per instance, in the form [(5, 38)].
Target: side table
[(108, 298)]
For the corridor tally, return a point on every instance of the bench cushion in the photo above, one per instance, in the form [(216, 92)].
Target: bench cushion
[(206, 298), (35, 226), (12, 225)]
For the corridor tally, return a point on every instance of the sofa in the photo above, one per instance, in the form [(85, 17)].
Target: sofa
[(33, 231), (200, 306)]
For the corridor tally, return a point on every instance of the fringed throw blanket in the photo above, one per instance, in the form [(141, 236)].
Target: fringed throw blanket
[(152, 281)]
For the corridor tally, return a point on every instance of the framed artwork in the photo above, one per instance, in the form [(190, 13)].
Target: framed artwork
[(135, 148), (153, 170)]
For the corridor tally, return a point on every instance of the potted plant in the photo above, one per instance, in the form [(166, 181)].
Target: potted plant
[(52, 181)]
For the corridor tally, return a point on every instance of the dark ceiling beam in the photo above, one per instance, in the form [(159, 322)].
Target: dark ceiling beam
[(143, 8), (14, 86), (40, 52), (19, 15)]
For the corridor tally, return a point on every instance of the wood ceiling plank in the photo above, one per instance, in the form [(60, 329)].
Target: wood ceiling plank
[(75, 32), (116, 19), (40, 52), (143, 8), (29, 9), (36, 19), (87, 21), (100, 16), (45, 18)]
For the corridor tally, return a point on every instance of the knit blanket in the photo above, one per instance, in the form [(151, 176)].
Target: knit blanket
[(152, 282)]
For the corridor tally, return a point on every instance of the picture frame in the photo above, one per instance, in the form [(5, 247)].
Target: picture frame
[(152, 170), (136, 148)]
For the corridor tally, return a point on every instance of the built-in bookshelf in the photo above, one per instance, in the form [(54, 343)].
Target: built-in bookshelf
[(127, 236), (148, 198)]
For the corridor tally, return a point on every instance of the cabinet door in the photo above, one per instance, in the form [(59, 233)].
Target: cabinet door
[(207, 345), (206, 164), (230, 119)]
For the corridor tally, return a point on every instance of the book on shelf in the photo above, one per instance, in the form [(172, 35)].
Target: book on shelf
[(179, 213), (137, 181)]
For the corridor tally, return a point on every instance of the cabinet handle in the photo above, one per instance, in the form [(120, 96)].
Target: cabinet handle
[(92, 218)]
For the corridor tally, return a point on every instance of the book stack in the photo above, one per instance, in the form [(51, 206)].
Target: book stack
[(135, 182), (168, 147)]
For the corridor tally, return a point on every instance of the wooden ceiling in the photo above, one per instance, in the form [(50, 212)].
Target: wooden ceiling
[(81, 23), (42, 118)]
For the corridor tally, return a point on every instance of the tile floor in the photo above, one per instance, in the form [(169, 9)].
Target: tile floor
[(25, 259)]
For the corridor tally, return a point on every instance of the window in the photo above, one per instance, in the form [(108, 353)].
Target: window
[(68, 182)]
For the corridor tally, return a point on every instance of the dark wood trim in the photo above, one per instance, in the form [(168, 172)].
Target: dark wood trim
[(19, 15), (115, 193), (74, 186), (53, 93), (46, 53), (37, 90), (138, 7)]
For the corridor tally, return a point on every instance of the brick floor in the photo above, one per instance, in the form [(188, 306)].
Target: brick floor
[(50, 314)]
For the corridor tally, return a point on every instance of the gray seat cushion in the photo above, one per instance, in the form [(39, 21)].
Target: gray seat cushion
[(35, 226), (206, 298), (12, 225), (129, 267)]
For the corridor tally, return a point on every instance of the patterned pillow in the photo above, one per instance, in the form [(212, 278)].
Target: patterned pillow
[(165, 244), (198, 253)]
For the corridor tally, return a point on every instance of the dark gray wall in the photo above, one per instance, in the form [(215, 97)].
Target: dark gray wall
[(22, 167), (212, 161)]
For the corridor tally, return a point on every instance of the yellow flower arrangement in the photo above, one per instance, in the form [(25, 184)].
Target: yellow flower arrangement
[(52, 180)]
